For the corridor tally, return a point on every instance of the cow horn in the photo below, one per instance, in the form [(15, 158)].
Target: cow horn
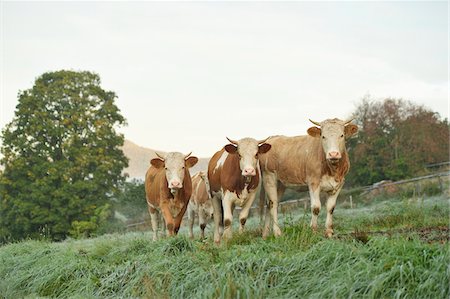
[(159, 155), (262, 141), (348, 121), (185, 157), (314, 122), (232, 141)]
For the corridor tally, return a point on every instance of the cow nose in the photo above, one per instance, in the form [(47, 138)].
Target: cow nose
[(249, 171), (334, 155), (175, 184)]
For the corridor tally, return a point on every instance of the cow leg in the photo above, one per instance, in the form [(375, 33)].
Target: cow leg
[(245, 210), (261, 204), (191, 217), (202, 221), (154, 218), (217, 207), (270, 184), (267, 220), (179, 217), (228, 200), (331, 204), (170, 225), (315, 205)]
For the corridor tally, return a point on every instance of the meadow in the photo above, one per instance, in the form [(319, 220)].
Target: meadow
[(389, 248)]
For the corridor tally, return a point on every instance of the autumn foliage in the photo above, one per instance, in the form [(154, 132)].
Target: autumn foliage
[(396, 140)]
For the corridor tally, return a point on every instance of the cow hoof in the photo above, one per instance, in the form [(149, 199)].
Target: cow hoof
[(276, 232), (227, 234), (329, 233)]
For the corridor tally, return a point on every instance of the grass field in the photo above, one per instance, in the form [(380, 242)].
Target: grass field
[(389, 249)]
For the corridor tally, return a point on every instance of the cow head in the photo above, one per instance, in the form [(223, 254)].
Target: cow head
[(175, 166), (333, 133), (248, 150)]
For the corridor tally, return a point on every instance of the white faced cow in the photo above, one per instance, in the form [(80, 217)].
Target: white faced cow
[(318, 160), (168, 188), (200, 203), (233, 174)]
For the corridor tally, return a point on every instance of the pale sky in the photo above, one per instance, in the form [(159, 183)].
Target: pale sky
[(187, 74)]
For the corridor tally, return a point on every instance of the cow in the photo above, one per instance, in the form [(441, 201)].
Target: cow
[(200, 203), (168, 188), (318, 160), (234, 175)]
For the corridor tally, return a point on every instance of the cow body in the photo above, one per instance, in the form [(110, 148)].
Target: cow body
[(234, 175), (200, 203), (168, 188), (318, 160)]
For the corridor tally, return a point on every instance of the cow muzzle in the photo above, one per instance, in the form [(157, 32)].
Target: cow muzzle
[(249, 172), (175, 185), (334, 157)]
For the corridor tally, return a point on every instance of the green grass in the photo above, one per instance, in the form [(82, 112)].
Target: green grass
[(300, 264)]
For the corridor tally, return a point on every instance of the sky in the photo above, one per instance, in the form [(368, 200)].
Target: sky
[(188, 74)]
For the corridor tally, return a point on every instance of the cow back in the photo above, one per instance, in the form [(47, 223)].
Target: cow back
[(199, 192), (299, 160)]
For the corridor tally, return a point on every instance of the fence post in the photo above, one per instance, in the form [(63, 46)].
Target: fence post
[(351, 202)]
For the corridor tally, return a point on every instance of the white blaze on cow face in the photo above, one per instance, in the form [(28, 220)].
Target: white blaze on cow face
[(248, 150), (174, 164), (333, 133)]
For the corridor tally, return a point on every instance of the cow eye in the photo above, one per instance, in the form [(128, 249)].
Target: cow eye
[(342, 135), (182, 167), (165, 168), (323, 137)]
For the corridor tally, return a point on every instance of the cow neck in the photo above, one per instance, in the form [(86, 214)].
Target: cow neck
[(232, 178), (338, 170), (182, 193)]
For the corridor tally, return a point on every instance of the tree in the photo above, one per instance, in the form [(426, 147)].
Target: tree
[(396, 140), (61, 156)]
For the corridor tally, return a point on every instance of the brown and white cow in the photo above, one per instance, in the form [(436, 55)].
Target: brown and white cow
[(168, 188), (318, 160), (234, 174), (200, 203)]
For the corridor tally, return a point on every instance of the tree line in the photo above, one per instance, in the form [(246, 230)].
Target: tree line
[(63, 164)]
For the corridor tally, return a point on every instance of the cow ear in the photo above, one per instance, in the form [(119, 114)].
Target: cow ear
[(231, 148), (264, 148), (314, 131), (191, 161), (350, 130), (157, 163)]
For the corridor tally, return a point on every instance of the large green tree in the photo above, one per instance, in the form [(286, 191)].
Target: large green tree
[(396, 140), (61, 156)]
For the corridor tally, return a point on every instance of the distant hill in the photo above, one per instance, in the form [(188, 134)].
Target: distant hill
[(139, 160)]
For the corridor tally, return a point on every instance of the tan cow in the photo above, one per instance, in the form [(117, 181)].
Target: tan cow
[(318, 160), (233, 174), (200, 203), (168, 188)]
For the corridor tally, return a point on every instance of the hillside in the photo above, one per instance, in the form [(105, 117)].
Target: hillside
[(139, 160), (390, 249)]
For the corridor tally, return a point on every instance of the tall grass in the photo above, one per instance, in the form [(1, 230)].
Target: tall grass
[(300, 264)]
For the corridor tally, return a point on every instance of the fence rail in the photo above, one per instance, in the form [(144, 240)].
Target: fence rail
[(363, 189)]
